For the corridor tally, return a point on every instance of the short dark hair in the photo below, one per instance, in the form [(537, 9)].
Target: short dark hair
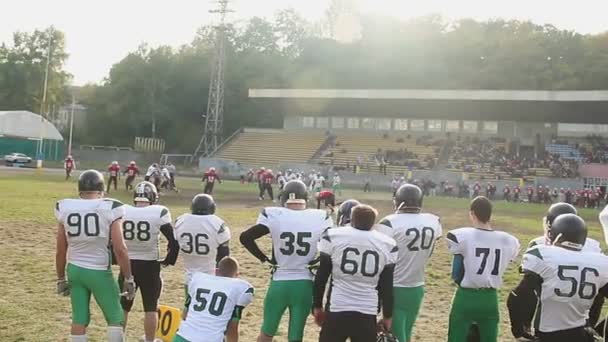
[(482, 208), (228, 267), (363, 217)]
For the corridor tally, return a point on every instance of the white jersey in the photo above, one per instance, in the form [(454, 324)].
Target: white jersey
[(281, 180), (141, 229), (199, 236), (213, 302), (336, 180), (604, 221), (318, 182), (358, 258), (395, 184), (486, 253), (571, 280), (151, 171), (87, 226), (591, 245), (295, 234), (415, 235), (165, 173)]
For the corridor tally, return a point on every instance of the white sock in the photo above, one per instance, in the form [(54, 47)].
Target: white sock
[(78, 338), (115, 334)]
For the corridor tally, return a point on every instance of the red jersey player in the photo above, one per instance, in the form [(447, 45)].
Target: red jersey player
[(210, 177), (131, 171), (114, 171), (327, 197), (69, 166), (267, 178)]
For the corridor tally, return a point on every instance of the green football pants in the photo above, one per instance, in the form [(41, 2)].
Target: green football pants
[(407, 305), (295, 295), (101, 284), (474, 306)]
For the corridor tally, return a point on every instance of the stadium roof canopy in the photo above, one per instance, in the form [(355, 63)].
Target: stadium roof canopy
[(24, 124), (578, 106)]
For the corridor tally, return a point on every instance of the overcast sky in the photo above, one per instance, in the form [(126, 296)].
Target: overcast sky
[(100, 33)]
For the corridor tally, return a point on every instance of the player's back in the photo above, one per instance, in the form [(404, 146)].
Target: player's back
[(87, 226), (295, 234), (212, 302), (141, 230), (486, 254), (358, 259), (416, 235), (198, 237), (571, 281)]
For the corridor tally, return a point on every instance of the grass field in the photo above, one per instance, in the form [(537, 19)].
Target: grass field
[(30, 310)]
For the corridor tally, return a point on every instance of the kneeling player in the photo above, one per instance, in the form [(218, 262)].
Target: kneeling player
[(360, 261), (141, 229), (215, 305), (327, 198), (86, 227), (568, 281), (295, 233), (481, 256)]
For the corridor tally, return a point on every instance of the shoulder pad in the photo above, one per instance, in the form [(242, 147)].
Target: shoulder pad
[(325, 235), (222, 228), (115, 203), (452, 237), (250, 290), (163, 211), (535, 251), (57, 205), (386, 222)]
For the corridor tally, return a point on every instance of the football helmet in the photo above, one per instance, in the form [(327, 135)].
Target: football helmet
[(202, 204), (115, 163), (344, 211), (554, 211), (91, 181), (145, 192), (408, 196), (568, 230), (212, 169), (132, 162), (294, 192), (69, 157)]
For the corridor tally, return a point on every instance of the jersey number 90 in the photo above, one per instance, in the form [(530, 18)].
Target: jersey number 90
[(87, 224)]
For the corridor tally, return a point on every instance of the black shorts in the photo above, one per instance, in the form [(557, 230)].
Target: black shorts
[(148, 281), (339, 326)]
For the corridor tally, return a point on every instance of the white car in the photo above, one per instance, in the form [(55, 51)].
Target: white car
[(17, 158)]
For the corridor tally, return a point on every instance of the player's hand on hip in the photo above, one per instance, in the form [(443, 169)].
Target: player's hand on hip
[(63, 287), (319, 315), (385, 324), (128, 288)]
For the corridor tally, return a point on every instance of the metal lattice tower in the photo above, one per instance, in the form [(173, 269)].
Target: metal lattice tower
[(214, 117)]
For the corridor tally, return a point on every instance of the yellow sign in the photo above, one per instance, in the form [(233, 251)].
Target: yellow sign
[(169, 319)]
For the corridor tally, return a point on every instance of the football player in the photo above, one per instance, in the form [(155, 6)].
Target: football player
[(344, 212), (553, 212), (481, 256), (114, 172), (215, 305), (360, 261), (210, 177), (87, 227), (327, 197), (317, 183), (568, 280), (69, 166), (203, 237), (267, 180), (131, 172), (337, 184), (415, 234), (295, 232), (141, 228)]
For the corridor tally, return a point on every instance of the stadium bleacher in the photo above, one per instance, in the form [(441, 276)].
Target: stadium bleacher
[(565, 151), (351, 147), (272, 147)]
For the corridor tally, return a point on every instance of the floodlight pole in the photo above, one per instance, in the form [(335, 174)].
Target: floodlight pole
[(214, 117), (71, 124)]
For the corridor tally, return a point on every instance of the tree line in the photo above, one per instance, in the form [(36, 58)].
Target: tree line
[(167, 87)]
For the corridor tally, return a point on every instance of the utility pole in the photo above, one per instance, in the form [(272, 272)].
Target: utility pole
[(214, 117), (71, 124), (43, 104)]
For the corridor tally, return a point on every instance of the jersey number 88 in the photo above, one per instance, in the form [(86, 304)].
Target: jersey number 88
[(143, 230)]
